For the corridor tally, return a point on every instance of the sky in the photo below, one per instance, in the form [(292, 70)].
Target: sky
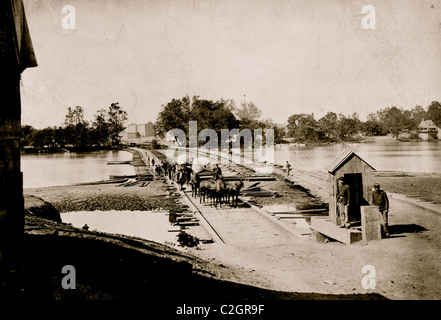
[(285, 56)]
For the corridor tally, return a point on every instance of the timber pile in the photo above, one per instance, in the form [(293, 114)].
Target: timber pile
[(134, 184), (258, 191), (118, 162), (186, 223), (241, 177), (111, 180)]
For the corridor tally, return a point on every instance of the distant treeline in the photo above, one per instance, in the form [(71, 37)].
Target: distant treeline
[(223, 114), (216, 115), (78, 133), (105, 130), (338, 127)]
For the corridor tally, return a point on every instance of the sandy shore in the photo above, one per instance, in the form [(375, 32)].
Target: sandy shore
[(107, 197)]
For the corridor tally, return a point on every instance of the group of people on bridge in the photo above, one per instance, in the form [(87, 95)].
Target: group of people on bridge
[(215, 190)]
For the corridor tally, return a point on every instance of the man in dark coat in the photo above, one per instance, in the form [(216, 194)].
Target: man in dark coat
[(379, 198), (217, 172), (343, 201)]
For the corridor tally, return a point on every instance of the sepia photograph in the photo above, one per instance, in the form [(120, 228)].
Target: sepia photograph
[(213, 158)]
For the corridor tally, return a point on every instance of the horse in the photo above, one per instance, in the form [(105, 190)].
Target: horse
[(232, 190), (218, 190), (195, 181), (204, 190)]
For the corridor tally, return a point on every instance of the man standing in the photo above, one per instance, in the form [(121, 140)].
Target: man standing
[(343, 201), (288, 168), (379, 198), (217, 172)]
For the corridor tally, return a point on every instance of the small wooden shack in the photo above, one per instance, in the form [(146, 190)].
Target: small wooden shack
[(358, 176), (364, 218)]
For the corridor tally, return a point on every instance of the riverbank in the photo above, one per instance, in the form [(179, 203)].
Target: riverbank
[(106, 197), (407, 264), (139, 269), (46, 150)]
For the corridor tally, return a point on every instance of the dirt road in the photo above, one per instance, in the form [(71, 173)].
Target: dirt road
[(407, 265)]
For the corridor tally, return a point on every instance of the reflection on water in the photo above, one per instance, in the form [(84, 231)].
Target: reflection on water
[(382, 155), (148, 225), (44, 170)]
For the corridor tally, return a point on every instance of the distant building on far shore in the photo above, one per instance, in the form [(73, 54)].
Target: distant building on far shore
[(427, 130), (143, 130)]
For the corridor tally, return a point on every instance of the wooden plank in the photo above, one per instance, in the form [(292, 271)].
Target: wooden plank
[(330, 230), (309, 211), (370, 223), (289, 216), (184, 219), (188, 223)]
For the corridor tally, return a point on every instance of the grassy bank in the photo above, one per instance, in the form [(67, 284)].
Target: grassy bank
[(425, 186)]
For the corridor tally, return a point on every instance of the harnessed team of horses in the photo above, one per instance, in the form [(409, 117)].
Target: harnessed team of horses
[(214, 190)]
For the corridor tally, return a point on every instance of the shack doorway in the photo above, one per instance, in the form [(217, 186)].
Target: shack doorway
[(355, 183)]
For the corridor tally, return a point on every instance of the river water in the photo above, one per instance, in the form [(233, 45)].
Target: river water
[(148, 225), (383, 154), (60, 169)]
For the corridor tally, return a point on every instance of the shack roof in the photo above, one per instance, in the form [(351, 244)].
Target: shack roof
[(342, 159), (427, 124)]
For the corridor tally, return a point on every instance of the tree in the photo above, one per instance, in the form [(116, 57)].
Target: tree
[(303, 127), (434, 113), (101, 128), (394, 120), (175, 114), (417, 114), (74, 116), (26, 135), (117, 116), (44, 138), (248, 111), (209, 114), (348, 126), (76, 128), (214, 115), (373, 125), (328, 126), (372, 128), (279, 130)]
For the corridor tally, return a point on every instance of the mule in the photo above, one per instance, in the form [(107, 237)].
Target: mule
[(218, 188), (204, 190), (195, 181), (232, 191)]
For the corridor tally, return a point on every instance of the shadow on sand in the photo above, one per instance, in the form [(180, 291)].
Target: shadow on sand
[(405, 228)]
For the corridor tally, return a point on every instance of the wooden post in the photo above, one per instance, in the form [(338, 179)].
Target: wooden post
[(16, 55), (370, 223), (11, 182)]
